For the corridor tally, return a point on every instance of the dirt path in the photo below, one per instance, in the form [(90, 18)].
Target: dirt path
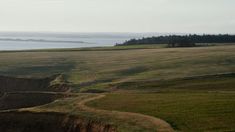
[(161, 125)]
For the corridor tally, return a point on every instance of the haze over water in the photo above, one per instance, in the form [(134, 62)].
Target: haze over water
[(26, 41), (45, 40)]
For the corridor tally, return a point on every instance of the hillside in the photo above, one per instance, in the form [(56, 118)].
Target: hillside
[(184, 87), (101, 69)]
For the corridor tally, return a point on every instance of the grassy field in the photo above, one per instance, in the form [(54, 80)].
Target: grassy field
[(184, 111), (201, 103), (191, 88), (102, 69), (70, 107)]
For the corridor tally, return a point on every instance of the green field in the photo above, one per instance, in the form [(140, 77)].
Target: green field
[(193, 89), (93, 69), (184, 111)]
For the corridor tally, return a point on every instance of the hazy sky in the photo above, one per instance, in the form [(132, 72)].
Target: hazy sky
[(191, 16)]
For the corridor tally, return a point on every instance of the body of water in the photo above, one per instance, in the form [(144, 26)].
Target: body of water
[(27, 41)]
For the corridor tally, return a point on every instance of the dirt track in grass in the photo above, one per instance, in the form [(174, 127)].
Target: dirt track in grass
[(161, 125)]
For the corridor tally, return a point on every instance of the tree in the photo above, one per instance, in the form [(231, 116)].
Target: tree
[(180, 42)]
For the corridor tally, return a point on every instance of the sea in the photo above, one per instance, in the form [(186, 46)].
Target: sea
[(48, 40)]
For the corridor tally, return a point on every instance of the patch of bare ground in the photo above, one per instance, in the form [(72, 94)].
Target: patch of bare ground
[(15, 121), (18, 92)]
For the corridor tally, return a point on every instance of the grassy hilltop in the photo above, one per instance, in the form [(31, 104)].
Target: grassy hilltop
[(193, 89)]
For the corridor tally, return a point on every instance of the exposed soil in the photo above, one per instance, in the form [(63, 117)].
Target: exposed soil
[(48, 122), (21, 93), (18, 93), (22, 99), (12, 84), (27, 92)]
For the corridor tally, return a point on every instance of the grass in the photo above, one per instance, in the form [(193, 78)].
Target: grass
[(69, 106), (217, 82), (191, 88), (101, 68), (184, 111), (199, 103)]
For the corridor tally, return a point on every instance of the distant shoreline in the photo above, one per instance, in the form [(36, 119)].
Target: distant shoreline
[(41, 40)]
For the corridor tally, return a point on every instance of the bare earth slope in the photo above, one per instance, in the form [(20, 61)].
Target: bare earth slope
[(48, 122), (27, 92)]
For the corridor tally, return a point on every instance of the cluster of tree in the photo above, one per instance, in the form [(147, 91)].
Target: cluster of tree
[(183, 41)]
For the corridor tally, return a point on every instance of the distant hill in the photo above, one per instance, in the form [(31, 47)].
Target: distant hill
[(182, 40)]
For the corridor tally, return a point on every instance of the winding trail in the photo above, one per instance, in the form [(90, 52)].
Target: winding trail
[(161, 125)]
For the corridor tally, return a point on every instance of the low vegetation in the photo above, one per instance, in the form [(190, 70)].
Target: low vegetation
[(190, 88), (185, 111), (182, 40), (100, 69)]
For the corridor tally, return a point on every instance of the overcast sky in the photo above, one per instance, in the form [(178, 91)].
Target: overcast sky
[(185, 16)]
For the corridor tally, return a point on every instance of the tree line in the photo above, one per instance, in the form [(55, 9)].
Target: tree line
[(182, 40)]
